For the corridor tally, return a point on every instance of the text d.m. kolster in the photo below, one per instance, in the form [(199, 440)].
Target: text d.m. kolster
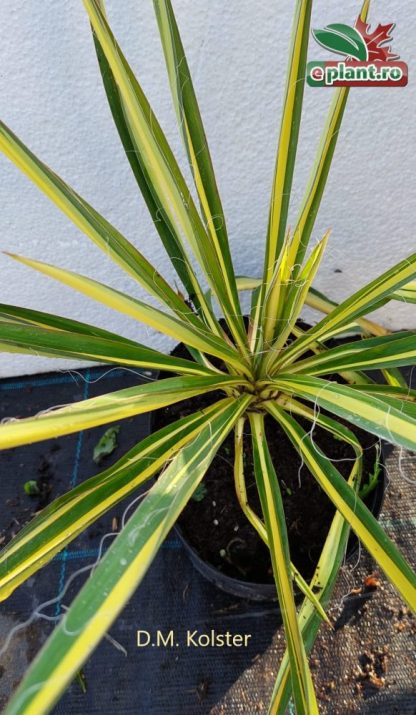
[(192, 639)]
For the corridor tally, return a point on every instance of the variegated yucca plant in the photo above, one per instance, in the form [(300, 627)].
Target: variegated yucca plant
[(261, 371)]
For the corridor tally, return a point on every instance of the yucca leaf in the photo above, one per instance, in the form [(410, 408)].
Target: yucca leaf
[(9, 313), (401, 393), (31, 339), (247, 283), (161, 222), (345, 499), (193, 133), (320, 302), (198, 338), (289, 132), (309, 620), (317, 182), (395, 377), (164, 173), (359, 303), (403, 404), (108, 408), (62, 520), (256, 522), (284, 168), (407, 294), (121, 570), (350, 376), (395, 350), (317, 300), (27, 316), (294, 296), (370, 412), (272, 507), (320, 171), (322, 583), (274, 299), (97, 228), (340, 432), (165, 180)]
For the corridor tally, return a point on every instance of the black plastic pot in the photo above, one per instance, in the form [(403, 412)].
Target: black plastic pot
[(267, 591)]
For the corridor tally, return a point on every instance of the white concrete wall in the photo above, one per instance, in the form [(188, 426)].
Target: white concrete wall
[(51, 95)]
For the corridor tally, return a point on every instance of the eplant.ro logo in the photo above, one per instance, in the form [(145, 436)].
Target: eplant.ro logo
[(368, 59)]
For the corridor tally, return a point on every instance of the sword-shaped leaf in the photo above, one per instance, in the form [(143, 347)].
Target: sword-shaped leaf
[(193, 133), (400, 393), (121, 570), (162, 224), (362, 521), (27, 316), (319, 175), (108, 408), (285, 160), (199, 338), (164, 173), (66, 517), (407, 294), (395, 350), (256, 522), (362, 301), (322, 583), (95, 226), (289, 132), (272, 507), (17, 337), (294, 297), (317, 300), (395, 423), (320, 302)]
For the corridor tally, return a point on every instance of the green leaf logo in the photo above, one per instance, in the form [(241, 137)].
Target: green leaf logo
[(343, 40)]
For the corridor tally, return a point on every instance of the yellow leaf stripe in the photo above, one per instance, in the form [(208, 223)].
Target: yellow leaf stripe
[(369, 411), (90, 222), (398, 349), (164, 173), (288, 136), (256, 522), (193, 133), (107, 408), (120, 571), (197, 338), (293, 300), (272, 507), (373, 537), (323, 582), (66, 517), (27, 339), (353, 307), (317, 181)]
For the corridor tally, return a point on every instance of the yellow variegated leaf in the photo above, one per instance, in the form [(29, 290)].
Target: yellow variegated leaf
[(200, 339), (108, 408)]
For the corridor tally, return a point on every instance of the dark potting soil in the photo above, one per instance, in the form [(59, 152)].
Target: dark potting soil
[(213, 521)]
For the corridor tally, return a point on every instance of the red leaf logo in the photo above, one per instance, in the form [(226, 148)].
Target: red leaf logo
[(375, 41)]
